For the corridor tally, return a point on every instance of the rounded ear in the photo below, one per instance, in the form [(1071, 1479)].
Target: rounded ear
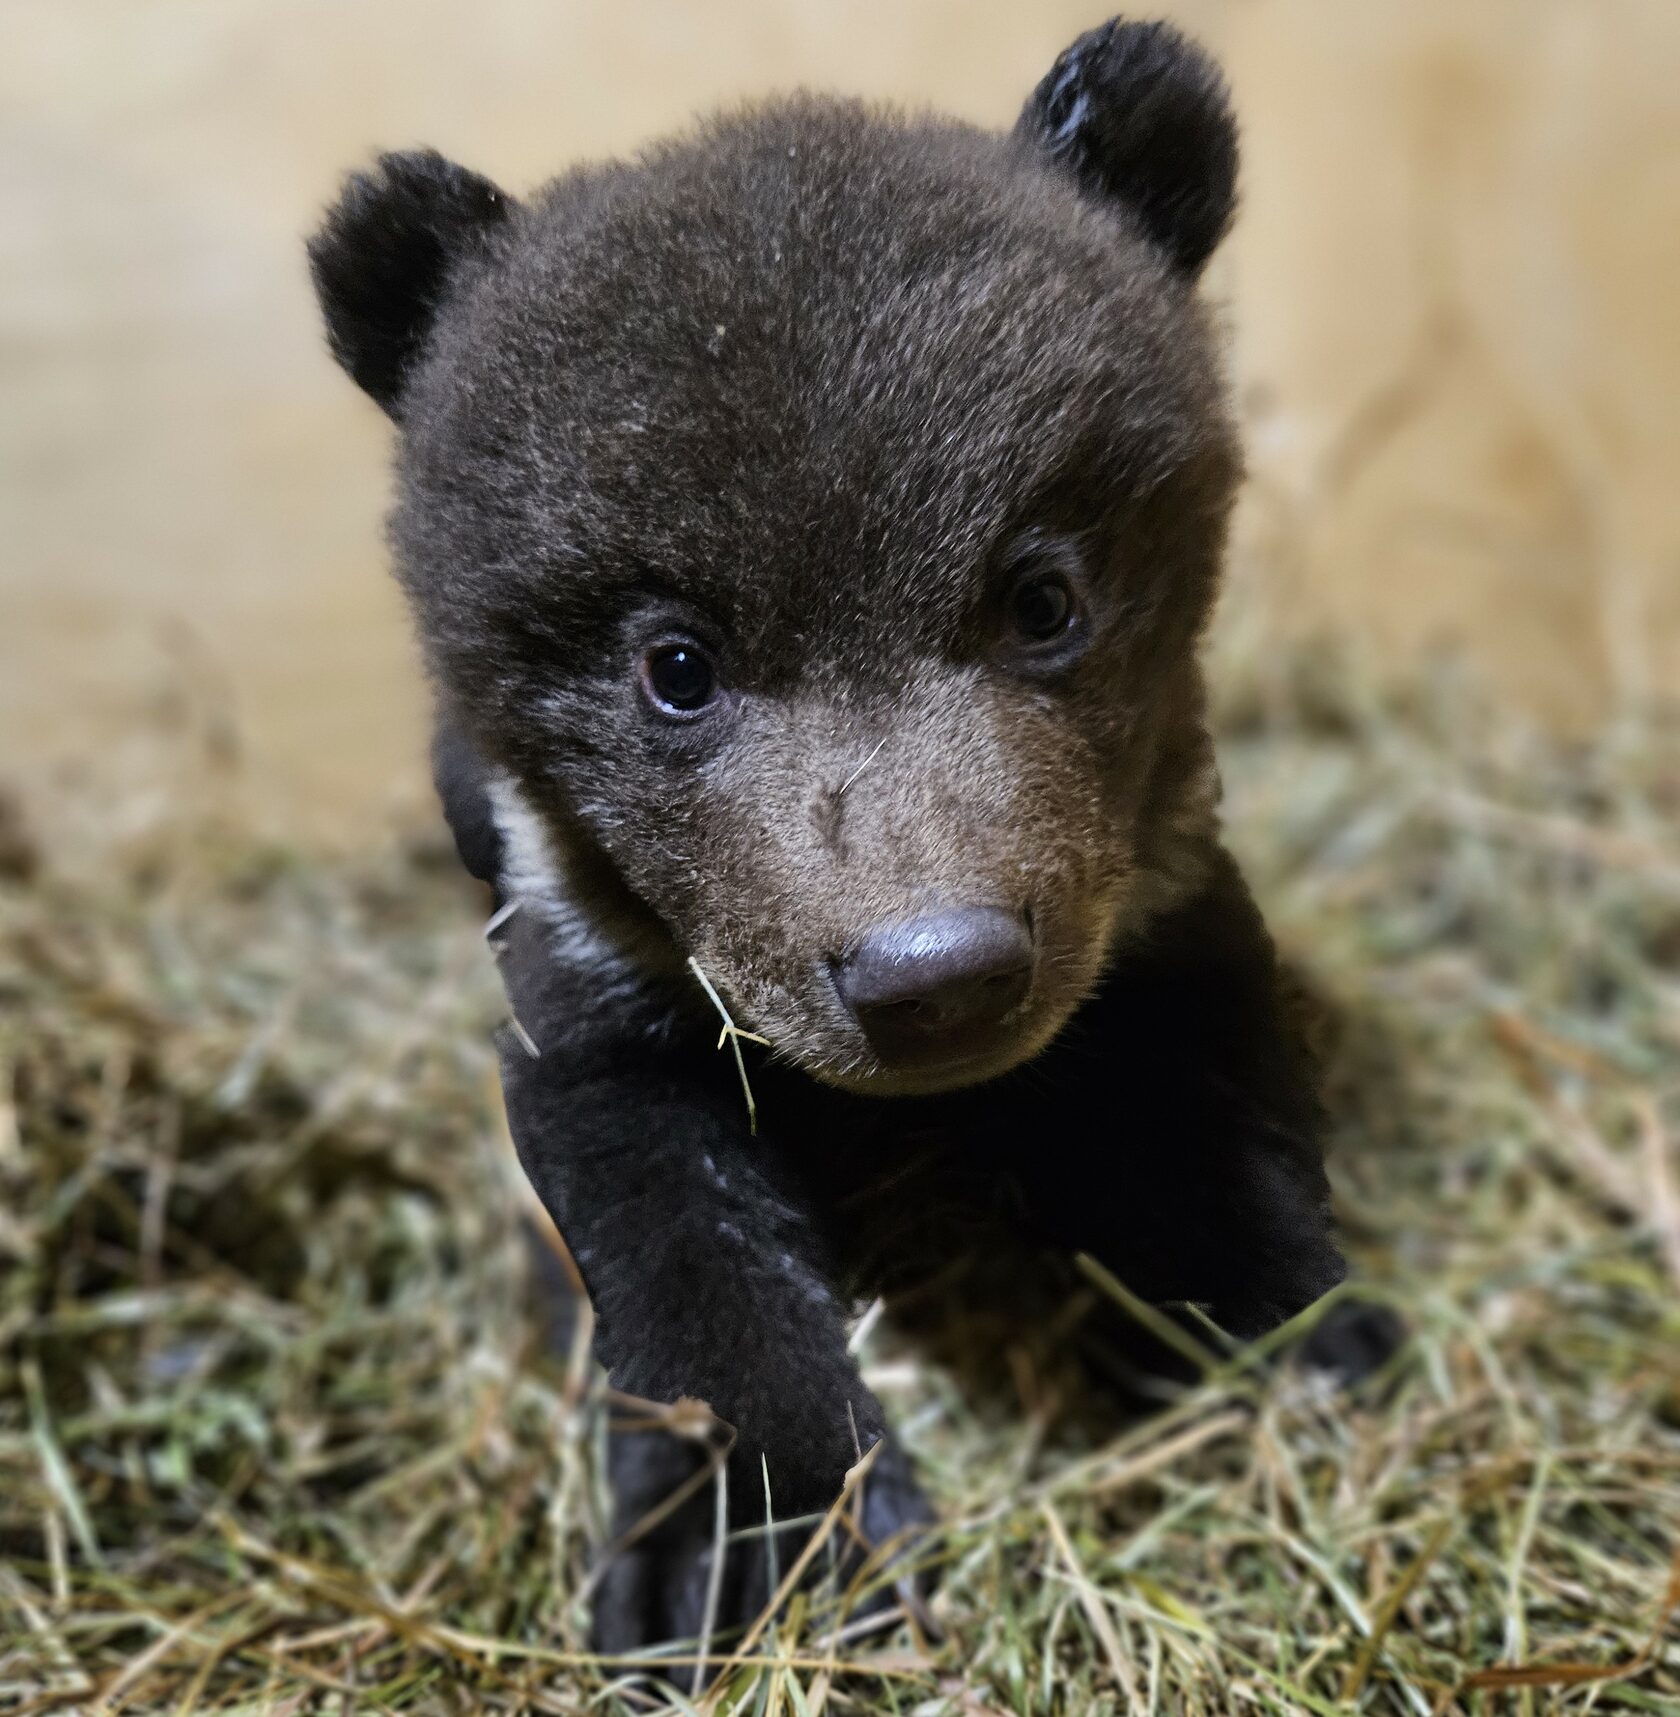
[(1141, 116), (382, 260)]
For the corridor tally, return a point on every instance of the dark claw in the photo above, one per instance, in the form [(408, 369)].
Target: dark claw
[(1352, 1341)]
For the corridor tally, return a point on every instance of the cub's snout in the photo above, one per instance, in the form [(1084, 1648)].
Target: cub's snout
[(938, 989)]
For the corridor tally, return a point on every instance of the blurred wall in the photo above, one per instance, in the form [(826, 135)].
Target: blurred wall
[(1453, 297)]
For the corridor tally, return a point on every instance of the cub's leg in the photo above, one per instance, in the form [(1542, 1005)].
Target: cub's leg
[(1191, 1161), (710, 1277)]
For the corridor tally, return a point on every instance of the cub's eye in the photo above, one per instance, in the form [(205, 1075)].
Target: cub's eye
[(1042, 607), (678, 679), (1039, 616)]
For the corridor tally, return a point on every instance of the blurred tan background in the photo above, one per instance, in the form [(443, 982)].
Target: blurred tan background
[(1454, 295)]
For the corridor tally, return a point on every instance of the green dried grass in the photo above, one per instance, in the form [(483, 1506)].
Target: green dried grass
[(277, 1432)]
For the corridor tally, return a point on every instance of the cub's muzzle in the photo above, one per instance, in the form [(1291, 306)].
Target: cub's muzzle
[(937, 988)]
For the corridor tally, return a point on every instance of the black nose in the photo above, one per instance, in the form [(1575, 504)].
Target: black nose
[(916, 985)]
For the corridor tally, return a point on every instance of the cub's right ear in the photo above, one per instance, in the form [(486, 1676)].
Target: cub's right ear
[(383, 258)]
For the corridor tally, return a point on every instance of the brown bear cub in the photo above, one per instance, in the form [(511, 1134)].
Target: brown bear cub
[(810, 526)]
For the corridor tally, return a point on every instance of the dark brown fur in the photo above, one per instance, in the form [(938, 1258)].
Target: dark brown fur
[(797, 380), (804, 386)]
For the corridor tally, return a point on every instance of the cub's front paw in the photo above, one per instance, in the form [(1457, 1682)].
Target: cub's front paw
[(1354, 1340), (655, 1590), (894, 1511), (1276, 1285)]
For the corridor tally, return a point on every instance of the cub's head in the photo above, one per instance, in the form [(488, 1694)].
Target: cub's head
[(814, 520)]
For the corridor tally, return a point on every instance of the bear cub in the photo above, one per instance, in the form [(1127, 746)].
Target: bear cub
[(809, 527)]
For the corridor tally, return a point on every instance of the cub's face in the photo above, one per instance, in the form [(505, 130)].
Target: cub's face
[(814, 522)]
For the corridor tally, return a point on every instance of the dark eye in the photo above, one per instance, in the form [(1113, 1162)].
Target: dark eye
[(1042, 607), (678, 678), (1040, 613)]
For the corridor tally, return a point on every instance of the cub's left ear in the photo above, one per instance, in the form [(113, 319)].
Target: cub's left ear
[(384, 258), (1142, 117)]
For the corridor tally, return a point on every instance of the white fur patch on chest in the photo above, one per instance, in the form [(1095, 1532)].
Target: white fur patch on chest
[(536, 876), (529, 872)]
